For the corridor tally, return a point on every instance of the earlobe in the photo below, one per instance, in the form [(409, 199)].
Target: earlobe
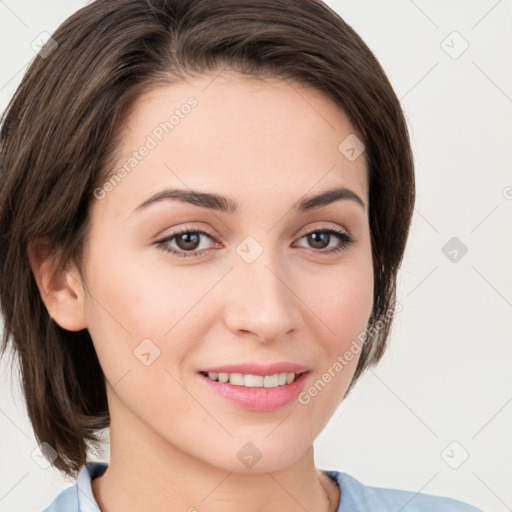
[(61, 291)]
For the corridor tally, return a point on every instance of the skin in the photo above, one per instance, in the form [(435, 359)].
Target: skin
[(174, 443)]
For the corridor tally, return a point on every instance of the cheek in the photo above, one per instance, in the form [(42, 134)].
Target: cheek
[(343, 302), (145, 299), (132, 301), (341, 307)]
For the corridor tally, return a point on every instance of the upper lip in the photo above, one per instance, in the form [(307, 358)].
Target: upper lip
[(259, 369)]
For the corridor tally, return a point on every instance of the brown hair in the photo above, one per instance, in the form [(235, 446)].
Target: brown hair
[(60, 131)]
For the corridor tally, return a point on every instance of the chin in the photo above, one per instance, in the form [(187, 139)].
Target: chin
[(262, 455)]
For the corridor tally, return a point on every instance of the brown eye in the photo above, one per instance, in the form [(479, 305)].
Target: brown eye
[(187, 242), (321, 238)]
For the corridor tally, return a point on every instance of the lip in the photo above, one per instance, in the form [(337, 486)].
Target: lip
[(258, 369), (257, 399)]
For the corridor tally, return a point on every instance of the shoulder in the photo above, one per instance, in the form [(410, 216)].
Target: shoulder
[(357, 497), (79, 497)]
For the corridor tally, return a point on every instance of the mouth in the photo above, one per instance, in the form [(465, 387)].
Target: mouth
[(250, 380), (255, 387)]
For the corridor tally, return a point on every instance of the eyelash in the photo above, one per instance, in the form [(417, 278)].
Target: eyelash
[(345, 241)]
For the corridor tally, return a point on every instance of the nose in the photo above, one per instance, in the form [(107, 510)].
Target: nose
[(262, 302)]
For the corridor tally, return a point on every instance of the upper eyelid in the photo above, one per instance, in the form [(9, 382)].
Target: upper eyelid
[(187, 229), (194, 229)]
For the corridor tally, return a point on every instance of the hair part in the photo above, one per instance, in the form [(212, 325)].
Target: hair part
[(61, 130)]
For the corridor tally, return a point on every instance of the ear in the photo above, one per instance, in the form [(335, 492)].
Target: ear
[(62, 292)]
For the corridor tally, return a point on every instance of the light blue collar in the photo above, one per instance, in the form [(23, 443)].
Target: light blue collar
[(85, 496)]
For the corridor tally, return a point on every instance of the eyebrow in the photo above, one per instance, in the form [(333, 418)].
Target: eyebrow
[(225, 204)]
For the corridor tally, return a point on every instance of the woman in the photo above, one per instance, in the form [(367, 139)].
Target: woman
[(204, 206)]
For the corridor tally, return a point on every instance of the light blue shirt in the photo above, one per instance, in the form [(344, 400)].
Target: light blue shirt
[(355, 496)]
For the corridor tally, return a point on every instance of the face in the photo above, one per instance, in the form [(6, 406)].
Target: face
[(257, 287)]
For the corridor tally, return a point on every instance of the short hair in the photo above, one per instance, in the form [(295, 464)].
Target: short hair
[(60, 132)]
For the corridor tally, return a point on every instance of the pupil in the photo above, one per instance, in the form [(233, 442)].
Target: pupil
[(190, 239), (323, 237)]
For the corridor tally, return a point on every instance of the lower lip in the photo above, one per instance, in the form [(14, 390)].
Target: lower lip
[(258, 399)]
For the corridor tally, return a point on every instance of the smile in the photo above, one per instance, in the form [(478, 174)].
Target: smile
[(252, 381), (257, 387)]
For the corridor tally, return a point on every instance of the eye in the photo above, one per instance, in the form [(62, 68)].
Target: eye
[(321, 238), (187, 242)]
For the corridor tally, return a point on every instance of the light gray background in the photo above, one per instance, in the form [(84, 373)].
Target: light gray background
[(446, 376)]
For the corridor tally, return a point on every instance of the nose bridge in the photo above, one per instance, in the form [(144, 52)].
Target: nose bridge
[(262, 302)]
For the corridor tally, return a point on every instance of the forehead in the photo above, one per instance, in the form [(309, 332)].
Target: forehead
[(234, 135)]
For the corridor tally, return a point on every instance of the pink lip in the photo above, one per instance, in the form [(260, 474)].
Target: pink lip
[(258, 399), (256, 369)]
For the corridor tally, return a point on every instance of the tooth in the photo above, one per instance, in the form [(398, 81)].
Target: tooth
[(237, 379), (253, 381), (270, 381)]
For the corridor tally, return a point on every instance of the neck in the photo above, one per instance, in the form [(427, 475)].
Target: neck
[(145, 472)]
